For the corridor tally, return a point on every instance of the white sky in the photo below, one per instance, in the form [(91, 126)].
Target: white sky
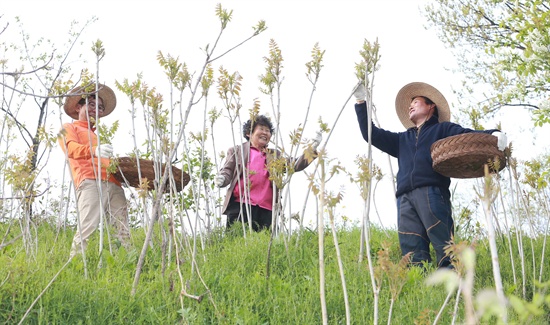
[(134, 31)]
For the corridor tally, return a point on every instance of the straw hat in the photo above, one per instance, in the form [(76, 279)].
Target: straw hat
[(105, 93), (414, 89)]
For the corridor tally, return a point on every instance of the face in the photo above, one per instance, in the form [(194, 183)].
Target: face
[(92, 102), (419, 111), (260, 136)]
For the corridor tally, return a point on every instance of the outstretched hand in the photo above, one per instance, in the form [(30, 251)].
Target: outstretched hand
[(219, 180), (360, 92), (502, 140), (317, 140)]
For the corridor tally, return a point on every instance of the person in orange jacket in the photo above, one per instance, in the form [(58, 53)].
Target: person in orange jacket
[(94, 193)]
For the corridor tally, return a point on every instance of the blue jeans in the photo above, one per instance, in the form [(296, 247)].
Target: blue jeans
[(424, 216)]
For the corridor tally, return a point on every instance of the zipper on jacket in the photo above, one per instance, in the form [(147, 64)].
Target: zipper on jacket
[(417, 135)]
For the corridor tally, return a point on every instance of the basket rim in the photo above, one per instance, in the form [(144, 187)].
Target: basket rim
[(465, 155), (127, 172)]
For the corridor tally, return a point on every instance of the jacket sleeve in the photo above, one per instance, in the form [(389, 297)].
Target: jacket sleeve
[(70, 144), (386, 141), (297, 164), (302, 162), (228, 169), (455, 129)]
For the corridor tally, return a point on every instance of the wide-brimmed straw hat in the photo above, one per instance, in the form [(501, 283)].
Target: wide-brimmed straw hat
[(106, 94), (415, 89)]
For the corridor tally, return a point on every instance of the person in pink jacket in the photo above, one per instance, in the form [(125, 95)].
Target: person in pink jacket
[(97, 193), (246, 172)]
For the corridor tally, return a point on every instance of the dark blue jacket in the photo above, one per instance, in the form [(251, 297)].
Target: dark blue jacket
[(412, 150)]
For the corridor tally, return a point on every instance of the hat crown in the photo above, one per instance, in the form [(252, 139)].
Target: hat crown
[(416, 89)]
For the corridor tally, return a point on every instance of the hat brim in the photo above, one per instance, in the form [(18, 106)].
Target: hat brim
[(106, 94), (415, 89)]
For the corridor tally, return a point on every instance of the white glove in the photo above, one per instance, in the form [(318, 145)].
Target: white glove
[(317, 140), (219, 180), (360, 92), (502, 141), (106, 151)]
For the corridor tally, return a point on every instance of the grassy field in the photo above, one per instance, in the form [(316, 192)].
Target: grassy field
[(236, 279)]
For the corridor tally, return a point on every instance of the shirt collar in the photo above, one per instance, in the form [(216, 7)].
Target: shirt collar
[(84, 124)]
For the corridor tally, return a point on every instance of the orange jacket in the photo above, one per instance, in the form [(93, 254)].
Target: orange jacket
[(81, 143)]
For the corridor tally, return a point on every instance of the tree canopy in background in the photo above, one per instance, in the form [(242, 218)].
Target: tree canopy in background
[(503, 49)]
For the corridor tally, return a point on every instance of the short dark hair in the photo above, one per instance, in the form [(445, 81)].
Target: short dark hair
[(430, 102), (250, 126)]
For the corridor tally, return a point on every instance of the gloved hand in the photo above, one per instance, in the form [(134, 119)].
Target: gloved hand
[(360, 92), (104, 151), (317, 140), (502, 141), (219, 180)]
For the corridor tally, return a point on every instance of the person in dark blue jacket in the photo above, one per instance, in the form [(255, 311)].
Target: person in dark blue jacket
[(424, 213)]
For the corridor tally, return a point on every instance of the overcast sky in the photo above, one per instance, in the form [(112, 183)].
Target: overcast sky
[(134, 31)]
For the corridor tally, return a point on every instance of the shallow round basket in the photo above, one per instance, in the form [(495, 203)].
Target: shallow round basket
[(128, 173), (465, 155)]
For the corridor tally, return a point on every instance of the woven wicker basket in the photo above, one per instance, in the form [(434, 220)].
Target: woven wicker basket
[(465, 155), (128, 172)]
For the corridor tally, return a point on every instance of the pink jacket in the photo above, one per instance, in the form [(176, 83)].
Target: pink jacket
[(237, 159)]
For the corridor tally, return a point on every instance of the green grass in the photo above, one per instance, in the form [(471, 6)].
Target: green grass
[(233, 279)]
